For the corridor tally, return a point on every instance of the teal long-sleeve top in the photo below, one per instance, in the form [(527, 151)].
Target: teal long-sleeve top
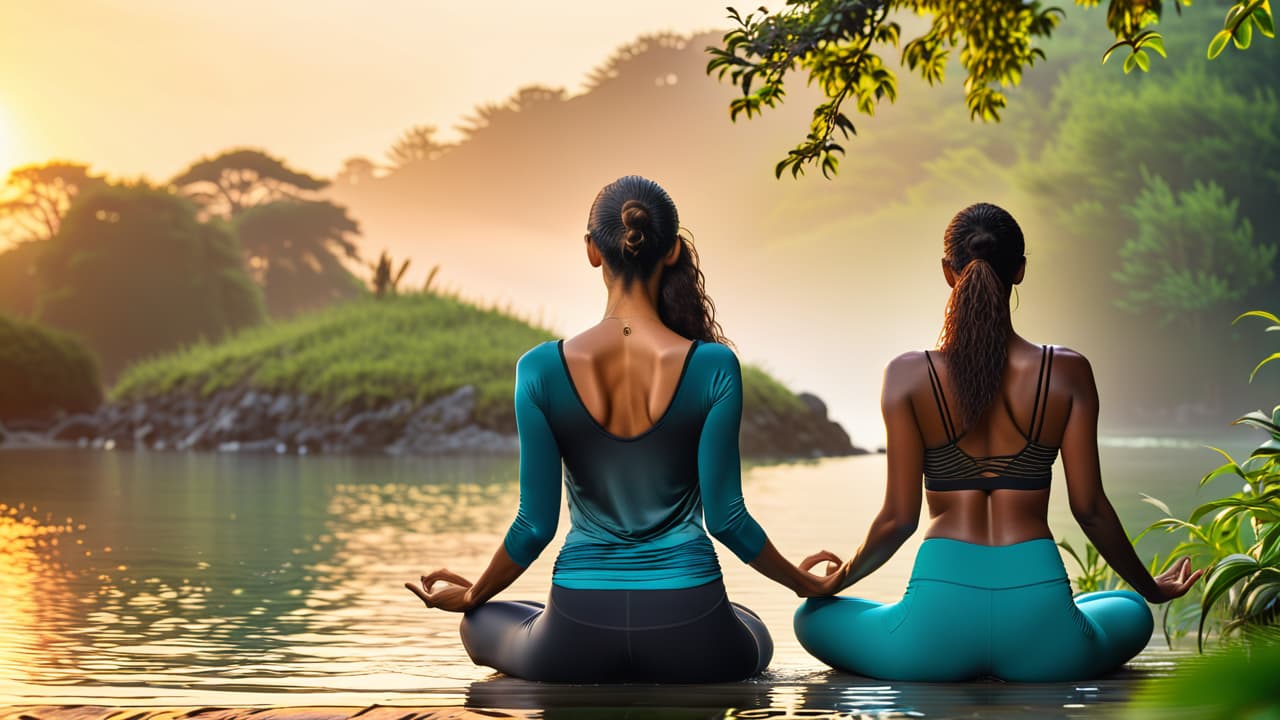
[(636, 504)]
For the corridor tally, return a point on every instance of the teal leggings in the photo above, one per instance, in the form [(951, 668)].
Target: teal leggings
[(976, 610)]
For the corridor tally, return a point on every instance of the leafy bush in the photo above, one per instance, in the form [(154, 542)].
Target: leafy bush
[(43, 371), (1237, 536)]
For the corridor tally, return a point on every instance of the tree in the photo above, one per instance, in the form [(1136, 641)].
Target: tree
[(229, 183), (18, 286), (133, 272), (1191, 254), (417, 144), (357, 170), (295, 249), (838, 43), (36, 197), (523, 102), (44, 371)]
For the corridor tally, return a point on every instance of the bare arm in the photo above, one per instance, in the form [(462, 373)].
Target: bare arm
[(535, 522), (900, 513), (1089, 503)]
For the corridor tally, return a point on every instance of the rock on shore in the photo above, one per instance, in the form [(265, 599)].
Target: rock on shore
[(246, 420)]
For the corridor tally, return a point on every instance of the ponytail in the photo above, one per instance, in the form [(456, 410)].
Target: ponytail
[(984, 247), (683, 303)]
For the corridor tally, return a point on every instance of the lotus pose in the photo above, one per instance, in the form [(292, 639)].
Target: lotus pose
[(643, 410), (982, 420)]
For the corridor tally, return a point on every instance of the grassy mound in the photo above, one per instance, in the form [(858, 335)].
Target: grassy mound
[(369, 353), (43, 371)]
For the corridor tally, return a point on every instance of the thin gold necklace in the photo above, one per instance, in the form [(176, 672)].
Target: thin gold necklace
[(626, 324)]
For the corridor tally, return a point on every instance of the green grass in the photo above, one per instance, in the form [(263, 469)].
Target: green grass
[(368, 353)]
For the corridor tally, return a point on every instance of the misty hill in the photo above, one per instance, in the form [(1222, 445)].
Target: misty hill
[(829, 280)]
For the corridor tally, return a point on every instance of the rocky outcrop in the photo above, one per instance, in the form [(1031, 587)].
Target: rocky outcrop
[(247, 420)]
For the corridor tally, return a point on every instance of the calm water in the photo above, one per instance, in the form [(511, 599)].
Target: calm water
[(162, 578)]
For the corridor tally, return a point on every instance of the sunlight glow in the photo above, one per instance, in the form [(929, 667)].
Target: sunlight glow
[(8, 150)]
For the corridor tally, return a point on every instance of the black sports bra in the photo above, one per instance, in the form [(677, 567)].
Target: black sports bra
[(949, 467)]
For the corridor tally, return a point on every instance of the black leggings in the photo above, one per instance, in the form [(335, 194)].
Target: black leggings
[(597, 636)]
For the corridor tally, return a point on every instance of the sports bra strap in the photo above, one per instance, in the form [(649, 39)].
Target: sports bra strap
[(940, 399), (1041, 407)]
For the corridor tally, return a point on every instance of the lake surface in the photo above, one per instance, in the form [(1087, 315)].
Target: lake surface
[(207, 579)]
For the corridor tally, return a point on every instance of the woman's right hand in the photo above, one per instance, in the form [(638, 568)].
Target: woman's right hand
[(1175, 582), (830, 582)]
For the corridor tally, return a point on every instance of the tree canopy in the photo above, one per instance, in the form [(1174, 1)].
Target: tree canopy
[(133, 272), (840, 44), (295, 251), (235, 180), (36, 197)]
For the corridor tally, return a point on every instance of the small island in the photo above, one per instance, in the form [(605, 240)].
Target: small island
[(422, 373)]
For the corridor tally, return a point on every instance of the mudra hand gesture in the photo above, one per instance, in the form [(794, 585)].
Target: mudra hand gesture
[(453, 596), (830, 581)]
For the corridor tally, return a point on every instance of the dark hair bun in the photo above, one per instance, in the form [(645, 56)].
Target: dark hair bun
[(635, 218), (981, 245)]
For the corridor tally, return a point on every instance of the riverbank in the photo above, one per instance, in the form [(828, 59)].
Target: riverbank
[(421, 374)]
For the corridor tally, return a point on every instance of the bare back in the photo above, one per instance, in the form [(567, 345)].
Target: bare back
[(626, 382), (1005, 431)]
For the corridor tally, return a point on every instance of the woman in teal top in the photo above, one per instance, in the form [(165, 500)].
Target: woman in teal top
[(642, 412), (982, 420)]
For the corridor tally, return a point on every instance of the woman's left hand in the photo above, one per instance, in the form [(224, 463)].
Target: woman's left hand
[(453, 596), (829, 583)]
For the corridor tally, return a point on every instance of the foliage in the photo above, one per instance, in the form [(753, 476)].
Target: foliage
[(1095, 573), (44, 371), (18, 287), (1230, 684), (356, 170), (369, 353), (1191, 253), (385, 281), (35, 198), (235, 180), (295, 251), (133, 272), (417, 144), (840, 45), (1237, 536), (362, 353)]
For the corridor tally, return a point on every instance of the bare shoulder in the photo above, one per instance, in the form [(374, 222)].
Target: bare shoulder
[(1071, 362), (1072, 372), (905, 363), (903, 374)]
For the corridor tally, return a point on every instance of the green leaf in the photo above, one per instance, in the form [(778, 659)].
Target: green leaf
[(1218, 43), (1130, 63), (1266, 23), (1243, 34), (1261, 421), (1115, 46), (1227, 469), (1224, 575), (1155, 42), (1267, 359), (1257, 313), (1142, 60)]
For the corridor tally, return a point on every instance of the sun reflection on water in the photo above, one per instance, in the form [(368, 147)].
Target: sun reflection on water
[(195, 579)]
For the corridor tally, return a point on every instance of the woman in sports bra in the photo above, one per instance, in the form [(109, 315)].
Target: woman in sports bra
[(982, 420), (643, 411)]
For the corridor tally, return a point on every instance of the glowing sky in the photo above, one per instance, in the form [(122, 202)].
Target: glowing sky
[(147, 86)]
